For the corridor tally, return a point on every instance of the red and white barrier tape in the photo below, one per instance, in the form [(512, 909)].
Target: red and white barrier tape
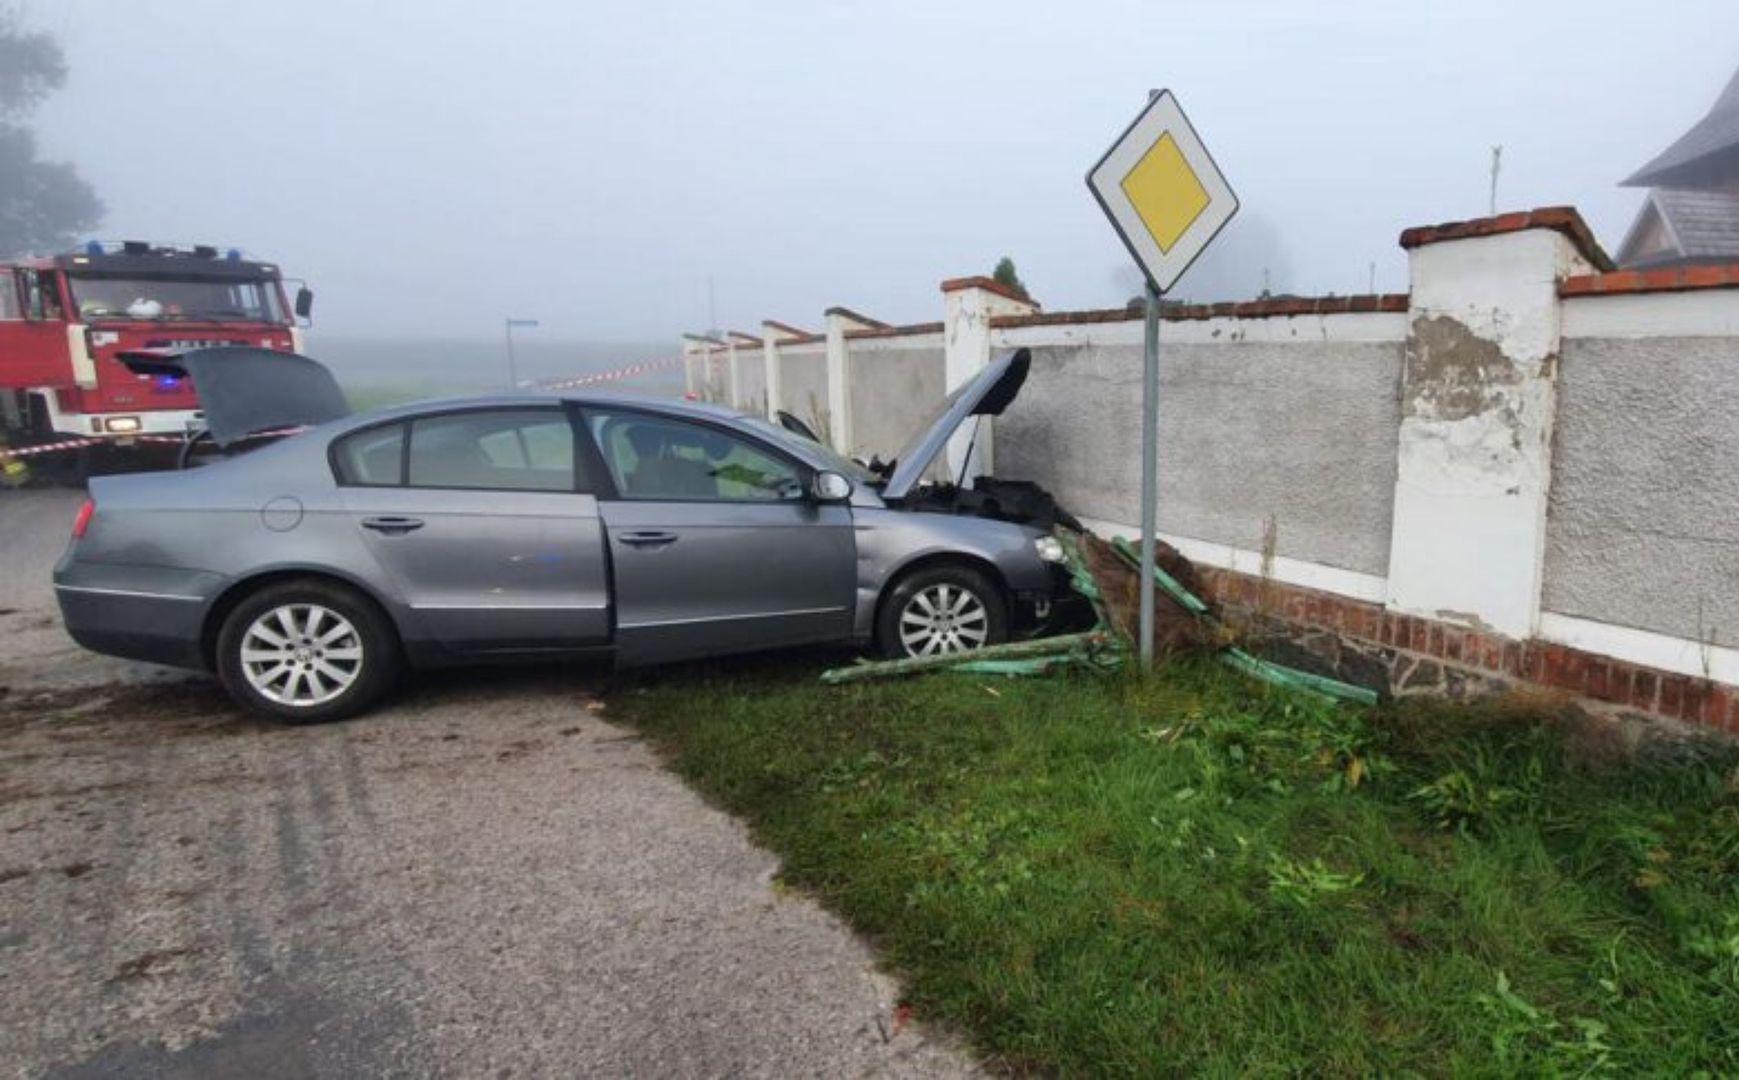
[(611, 376), (47, 448), (7, 452)]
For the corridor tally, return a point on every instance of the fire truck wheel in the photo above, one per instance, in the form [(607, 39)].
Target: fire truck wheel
[(307, 651)]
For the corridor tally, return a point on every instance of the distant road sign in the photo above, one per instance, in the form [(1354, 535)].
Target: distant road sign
[(1162, 191)]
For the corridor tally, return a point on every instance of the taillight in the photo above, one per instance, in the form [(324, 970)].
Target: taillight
[(83, 521)]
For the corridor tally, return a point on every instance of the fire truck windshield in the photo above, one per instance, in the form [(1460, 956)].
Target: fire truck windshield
[(177, 299)]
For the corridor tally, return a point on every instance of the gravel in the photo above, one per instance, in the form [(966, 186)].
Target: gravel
[(484, 877)]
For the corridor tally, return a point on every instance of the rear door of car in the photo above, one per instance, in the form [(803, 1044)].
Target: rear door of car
[(715, 543), (486, 522)]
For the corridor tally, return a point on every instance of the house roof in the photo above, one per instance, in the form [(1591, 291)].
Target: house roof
[(1706, 155), (1699, 225)]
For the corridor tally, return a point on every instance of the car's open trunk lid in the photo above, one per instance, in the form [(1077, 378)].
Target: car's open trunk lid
[(987, 394), (244, 390)]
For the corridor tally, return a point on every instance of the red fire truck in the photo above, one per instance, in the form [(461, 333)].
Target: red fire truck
[(64, 320)]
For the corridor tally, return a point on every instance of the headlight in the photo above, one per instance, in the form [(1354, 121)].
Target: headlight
[(1049, 549), (123, 425)]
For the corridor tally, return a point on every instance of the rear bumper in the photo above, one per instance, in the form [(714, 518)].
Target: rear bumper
[(138, 613)]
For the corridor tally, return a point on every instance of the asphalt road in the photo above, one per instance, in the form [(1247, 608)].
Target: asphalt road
[(484, 878)]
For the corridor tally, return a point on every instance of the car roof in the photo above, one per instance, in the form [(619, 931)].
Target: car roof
[(674, 406)]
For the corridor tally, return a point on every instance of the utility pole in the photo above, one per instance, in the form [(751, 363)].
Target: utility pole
[(512, 365)]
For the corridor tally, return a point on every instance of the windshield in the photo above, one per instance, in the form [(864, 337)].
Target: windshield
[(171, 299), (836, 461)]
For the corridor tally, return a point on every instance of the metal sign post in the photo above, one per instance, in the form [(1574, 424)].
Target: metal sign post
[(1167, 200), (1149, 469)]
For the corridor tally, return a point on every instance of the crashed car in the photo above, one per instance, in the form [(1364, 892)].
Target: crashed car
[(308, 572)]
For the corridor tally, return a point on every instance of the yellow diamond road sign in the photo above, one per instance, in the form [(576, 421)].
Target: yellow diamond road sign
[(1162, 191)]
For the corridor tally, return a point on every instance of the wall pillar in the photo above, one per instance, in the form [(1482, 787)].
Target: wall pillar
[(753, 352), (970, 304), (734, 380), (839, 321), (771, 375), (690, 384), (1478, 400), (697, 364), (773, 333)]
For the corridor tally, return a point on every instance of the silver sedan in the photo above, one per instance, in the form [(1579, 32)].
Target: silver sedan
[(309, 572)]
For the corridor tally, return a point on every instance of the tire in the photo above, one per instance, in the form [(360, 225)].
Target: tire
[(316, 651), (909, 625)]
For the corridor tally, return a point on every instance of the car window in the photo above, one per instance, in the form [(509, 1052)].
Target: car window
[(499, 450), (373, 457), (655, 457), (9, 306)]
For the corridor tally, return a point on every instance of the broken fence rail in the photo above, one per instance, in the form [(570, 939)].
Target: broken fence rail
[(1102, 648)]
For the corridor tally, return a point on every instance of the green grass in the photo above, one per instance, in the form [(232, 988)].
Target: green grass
[(1190, 874)]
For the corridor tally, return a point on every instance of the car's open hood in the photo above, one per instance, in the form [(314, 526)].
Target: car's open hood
[(244, 390), (987, 394)]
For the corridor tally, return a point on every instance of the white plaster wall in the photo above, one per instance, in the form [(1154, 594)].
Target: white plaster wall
[(1297, 427), (803, 375), (895, 383), (751, 380), (1643, 523)]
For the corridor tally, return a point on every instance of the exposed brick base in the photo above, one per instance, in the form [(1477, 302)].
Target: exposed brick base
[(1404, 654)]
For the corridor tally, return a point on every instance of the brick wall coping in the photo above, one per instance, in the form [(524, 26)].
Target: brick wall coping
[(895, 331), (1250, 309), (1674, 279), (1563, 219), (989, 285), (791, 332), (855, 317)]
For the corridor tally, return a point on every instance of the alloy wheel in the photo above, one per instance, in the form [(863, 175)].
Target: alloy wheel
[(301, 655), (943, 619)]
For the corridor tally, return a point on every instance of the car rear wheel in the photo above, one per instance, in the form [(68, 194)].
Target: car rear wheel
[(942, 610), (304, 652)]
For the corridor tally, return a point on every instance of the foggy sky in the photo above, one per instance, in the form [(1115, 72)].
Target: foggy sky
[(431, 167)]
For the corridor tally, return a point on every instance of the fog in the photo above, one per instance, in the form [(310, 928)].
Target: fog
[(431, 168)]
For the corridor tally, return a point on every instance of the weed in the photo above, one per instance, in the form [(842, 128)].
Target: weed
[(1525, 1036), (1306, 885)]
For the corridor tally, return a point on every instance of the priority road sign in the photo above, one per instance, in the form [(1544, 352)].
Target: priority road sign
[(1167, 200), (1162, 191)]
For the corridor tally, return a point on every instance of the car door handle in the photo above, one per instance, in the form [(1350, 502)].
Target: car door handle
[(392, 526), (648, 538)]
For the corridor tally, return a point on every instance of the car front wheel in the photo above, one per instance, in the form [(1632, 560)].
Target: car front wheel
[(942, 610), (305, 652)]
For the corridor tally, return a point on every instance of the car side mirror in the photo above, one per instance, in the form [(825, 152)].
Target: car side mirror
[(304, 302), (830, 487)]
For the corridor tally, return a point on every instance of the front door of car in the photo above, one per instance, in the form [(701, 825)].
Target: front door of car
[(485, 521), (715, 544)]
